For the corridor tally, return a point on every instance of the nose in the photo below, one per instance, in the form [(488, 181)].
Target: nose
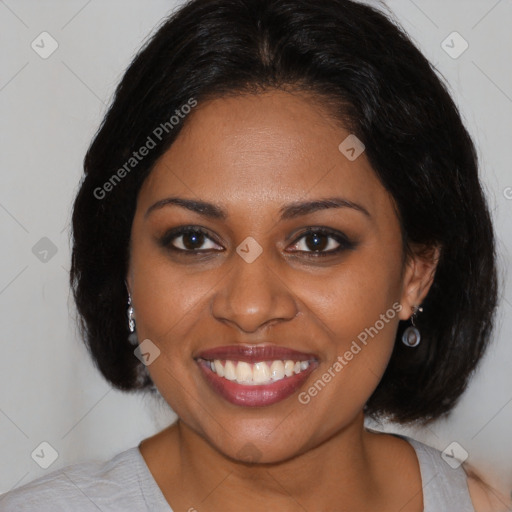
[(253, 296)]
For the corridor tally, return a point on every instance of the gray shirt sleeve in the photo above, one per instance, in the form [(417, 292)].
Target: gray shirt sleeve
[(123, 484)]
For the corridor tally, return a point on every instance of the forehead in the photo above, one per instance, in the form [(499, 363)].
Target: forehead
[(262, 150)]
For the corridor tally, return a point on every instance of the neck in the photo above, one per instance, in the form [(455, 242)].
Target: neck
[(337, 474)]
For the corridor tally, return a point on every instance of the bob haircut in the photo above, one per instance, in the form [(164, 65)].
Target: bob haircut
[(368, 74)]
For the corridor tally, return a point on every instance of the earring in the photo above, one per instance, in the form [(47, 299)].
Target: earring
[(131, 320), (411, 336), (132, 338)]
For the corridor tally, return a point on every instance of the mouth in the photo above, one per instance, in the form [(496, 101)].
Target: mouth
[(255, 376)]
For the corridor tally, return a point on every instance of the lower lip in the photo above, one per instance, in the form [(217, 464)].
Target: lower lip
[(256, 395)]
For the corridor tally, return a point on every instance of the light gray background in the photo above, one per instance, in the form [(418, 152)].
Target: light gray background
[(51, 108)]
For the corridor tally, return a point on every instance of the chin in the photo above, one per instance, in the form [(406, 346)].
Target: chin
[(257, 448)]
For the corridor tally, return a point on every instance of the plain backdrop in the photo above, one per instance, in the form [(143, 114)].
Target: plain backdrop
[(51, 107)]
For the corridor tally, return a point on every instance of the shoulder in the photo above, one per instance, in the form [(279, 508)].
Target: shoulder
[(484, 497), (449, 484), (79, 487)]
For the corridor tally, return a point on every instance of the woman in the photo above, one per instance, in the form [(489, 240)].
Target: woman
[(281, 231)]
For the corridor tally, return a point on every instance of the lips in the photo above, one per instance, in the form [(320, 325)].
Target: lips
[(255, 376), (255, 354)]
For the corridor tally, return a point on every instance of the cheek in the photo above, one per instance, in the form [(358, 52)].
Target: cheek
[(170, 306), (354, 295), (361, 316), (358, 306), (169, 297)]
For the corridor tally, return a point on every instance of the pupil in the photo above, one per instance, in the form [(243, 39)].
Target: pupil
[(318, 242), (193, 240)]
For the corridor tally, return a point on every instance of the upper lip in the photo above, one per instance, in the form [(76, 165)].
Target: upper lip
[(255, 353)]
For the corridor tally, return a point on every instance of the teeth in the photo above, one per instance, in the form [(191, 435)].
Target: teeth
[(229, 371), (261, 373), (258, 373), (243, 372), (277, 370), (218, 368), (288, 368)]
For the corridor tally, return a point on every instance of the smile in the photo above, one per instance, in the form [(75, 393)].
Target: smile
[(236, 374)]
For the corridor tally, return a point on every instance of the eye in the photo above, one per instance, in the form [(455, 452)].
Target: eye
[(322, 242), (189, 240)]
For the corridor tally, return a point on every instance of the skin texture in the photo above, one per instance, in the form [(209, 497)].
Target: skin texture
[(250, 155)]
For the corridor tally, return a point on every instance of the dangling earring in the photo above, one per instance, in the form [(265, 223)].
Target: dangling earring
[(132, 338), (411, 336), (131, 320)]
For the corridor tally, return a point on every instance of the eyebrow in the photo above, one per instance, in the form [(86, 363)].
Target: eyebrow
[(289, 211), (298, 208)]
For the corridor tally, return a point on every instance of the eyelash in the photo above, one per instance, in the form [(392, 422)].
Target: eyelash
[(340, 238)]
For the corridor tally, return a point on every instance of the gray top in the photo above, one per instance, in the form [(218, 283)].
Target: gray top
[(125, 484), (444, 488)]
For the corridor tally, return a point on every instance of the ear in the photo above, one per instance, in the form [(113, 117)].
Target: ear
[(420, 269)]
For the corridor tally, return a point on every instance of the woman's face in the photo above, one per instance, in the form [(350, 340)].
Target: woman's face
[(275, 270)]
